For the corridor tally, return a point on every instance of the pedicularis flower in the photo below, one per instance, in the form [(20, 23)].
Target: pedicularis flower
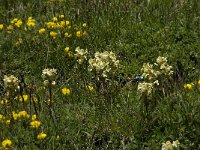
[(104, 63), (11, 82), (80, 54), (49, 76), (171, 146)]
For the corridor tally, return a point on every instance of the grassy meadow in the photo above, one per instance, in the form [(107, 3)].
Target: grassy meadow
[(99, 74)]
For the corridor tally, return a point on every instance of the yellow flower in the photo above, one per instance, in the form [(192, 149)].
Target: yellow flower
[(41, 136), (84, 25), (67, 35), (55, 19), (50, 25), (7, 122), (67, 22), (90, 88), (35, 124), (4, 102), (34, 117), (15, 115), (6, 143), (67, 49), (1, 26), (78, 34), (62, 24), (23, 98), (188, 86), (53, 34), (23, 114), (65, 91), (42, 30), (10, 28), (70, 54), (61, 16), (31, 22), (1, 117), (18, 23), (198, 83), (14, 20)]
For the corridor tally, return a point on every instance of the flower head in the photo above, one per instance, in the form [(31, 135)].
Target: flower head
[(188, 86), (41, 136), (42, 30), (1, 26), (65, 91), (6, 144), (11, 81), (35, 124)]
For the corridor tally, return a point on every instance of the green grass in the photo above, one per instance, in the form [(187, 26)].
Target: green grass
[(113, 116)]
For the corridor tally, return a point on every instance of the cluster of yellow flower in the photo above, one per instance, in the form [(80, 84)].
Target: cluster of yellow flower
[(171, 146), (151, 74), (104, 63), (20, 115)]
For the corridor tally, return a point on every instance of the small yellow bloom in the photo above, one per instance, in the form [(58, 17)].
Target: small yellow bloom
[(6, 143), (18, 23), (50, 25), (7, 122), (10, 28), (34, 117), (67, 22), (15, 115), (1, 117), (84, 25), (78, 34), (35, 124), (1, 26), (42, 30), (61, 16), (23, 98), (90, 88), (23, 114), (53, 34), (67, 35), (41, 136), (55, 19), (66, 49), (188, 86), (3, 102), (70, 54), (198, 83), (65, 91), (14, 20), (62, 24)]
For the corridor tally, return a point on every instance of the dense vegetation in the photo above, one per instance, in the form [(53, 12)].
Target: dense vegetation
[(102, 74)]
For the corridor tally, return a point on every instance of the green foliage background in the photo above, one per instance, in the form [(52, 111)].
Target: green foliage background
[(138, 31)]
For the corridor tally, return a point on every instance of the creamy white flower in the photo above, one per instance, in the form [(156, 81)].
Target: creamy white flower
[(49, 73), (11, 81), (80, 54), (103, 63), (145, 88)]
